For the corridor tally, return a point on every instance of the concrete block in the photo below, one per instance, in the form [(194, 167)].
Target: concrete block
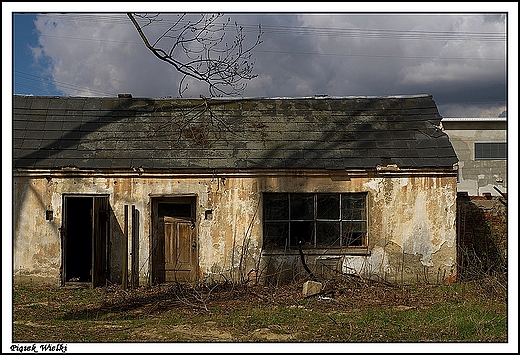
[(311, 288)]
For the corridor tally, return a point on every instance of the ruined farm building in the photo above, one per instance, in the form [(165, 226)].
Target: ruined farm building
[(145, 191)]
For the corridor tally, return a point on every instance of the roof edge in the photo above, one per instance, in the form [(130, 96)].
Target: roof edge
[(210, 173), (474, 119), (316, 97)]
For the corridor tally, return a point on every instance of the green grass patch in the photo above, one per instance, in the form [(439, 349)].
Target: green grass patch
[(456, 313)]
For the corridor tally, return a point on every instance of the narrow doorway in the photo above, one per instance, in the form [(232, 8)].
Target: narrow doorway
[(174, 249), (84, 234)]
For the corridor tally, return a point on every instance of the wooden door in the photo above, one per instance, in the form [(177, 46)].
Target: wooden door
[(100, 241), (180, 250)]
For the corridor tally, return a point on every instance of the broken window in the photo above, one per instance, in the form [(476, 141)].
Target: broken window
[(315, 220)]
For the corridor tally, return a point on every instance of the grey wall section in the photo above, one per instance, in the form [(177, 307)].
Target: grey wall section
[(477, 177)]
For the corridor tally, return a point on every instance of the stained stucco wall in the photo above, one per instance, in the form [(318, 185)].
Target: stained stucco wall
[(411, 225)]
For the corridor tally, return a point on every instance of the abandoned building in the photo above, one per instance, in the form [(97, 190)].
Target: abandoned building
[(481, 146), (141, 191)]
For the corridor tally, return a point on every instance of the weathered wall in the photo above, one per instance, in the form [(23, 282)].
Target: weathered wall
[(411, 230), (36, 241), (411, 225), (416, 228)]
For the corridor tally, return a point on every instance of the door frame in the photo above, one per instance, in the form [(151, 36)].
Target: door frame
[(100, 237), (154, 228)]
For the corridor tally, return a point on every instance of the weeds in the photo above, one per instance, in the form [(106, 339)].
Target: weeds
[(471, 309), (465, 312), (482, 233)]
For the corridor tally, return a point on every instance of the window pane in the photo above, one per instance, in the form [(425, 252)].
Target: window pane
[(327, 234), (276, 206), (353, 232), (302, 206), (276, 234), (502, 151), (353, 206), (496, 151), (328, 206), (303, 231), (329, 220), (354, 240)]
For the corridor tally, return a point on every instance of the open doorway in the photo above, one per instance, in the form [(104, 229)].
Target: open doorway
[(85, 233)]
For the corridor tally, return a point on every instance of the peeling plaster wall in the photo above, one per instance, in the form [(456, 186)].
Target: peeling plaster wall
[(36, 241), (225, 242), (412, 235), (411, 225), (416, 228), (232, 237)]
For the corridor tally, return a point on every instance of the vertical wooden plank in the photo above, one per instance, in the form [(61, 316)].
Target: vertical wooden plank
[(125, 252), (100, 230), (63, 235), (107, 240), (132, 245), (94, 242), (134, 276)]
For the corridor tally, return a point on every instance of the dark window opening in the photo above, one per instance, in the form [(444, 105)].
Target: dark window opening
[(315, 220), (302, 206), (276, 206), (328, 233), (491, 151), (278, 234), (175, 210), (302, 232)]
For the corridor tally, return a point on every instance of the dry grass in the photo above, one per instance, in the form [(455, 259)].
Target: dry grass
[(345, 311)]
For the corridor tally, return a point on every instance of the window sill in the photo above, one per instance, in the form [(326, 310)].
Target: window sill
[(360, 251)]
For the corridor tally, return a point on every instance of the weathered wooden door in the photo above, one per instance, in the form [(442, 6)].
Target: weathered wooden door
[(100, 241), (174, 241), (180, 257)]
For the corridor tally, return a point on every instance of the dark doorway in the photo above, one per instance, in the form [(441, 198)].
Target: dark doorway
[(79, 240), (85, 232)]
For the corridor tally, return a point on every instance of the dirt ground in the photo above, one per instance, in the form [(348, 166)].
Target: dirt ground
[(65, 313)]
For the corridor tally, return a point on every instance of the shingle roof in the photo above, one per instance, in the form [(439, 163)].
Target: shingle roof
[(322, 133)]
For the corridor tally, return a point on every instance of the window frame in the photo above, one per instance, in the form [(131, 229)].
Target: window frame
[(287, 223), (482, 144)]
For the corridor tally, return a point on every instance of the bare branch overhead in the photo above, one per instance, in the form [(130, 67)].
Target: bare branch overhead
[(199, 49)]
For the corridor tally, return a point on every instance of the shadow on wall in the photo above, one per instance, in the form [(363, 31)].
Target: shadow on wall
[(482, 236)]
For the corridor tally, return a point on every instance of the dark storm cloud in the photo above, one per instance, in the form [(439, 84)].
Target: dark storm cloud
[(458, 58)]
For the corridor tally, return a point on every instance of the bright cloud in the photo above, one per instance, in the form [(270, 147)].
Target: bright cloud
[(301, 55)]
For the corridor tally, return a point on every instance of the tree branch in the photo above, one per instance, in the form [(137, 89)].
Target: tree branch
[(199, 51)]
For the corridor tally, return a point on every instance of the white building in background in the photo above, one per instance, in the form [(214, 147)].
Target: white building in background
[(481, 146)]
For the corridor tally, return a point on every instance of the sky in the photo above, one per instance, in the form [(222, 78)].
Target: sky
[(467, 60), (462, 59)]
